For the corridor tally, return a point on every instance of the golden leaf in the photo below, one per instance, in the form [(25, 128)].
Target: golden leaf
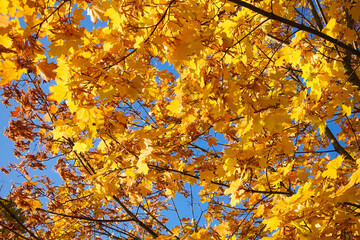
[(332, 167)]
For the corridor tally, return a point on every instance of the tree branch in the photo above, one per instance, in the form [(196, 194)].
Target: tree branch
[(46, 18), (352, 204), (315, 14), (136, 219), (338, 148), (85, 218), (299, 26), (17, 220), (133, 216), (157, 220), (221, 184), (16, 233)]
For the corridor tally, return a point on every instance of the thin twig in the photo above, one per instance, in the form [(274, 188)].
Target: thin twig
[(84, 217), (52, 13)]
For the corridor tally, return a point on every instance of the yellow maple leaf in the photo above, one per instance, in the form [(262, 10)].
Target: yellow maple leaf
[(9, 72), (63, 70), (4, 6), (272, 223), (60, 92), (34, 204), (175, 107), (222, 229), (142, 167), (350, 35), (110, 187), (107, 92), (115, 17), (298, 113), (83, 114), (144, 153), (135, 198), (355, 178), (207, 176), (234, 186), (5, 41), (80, 147), (220, 126), (145, 187), (346, 109), (95, 12), (98, 190), (58, 48), (331, 28), (332, 167)]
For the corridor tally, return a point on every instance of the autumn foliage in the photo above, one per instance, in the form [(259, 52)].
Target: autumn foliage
[(182, 119)]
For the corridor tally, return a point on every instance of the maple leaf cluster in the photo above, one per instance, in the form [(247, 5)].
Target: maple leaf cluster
[(245, 110)]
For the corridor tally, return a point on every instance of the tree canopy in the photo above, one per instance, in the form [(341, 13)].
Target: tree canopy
[(247, 111)]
